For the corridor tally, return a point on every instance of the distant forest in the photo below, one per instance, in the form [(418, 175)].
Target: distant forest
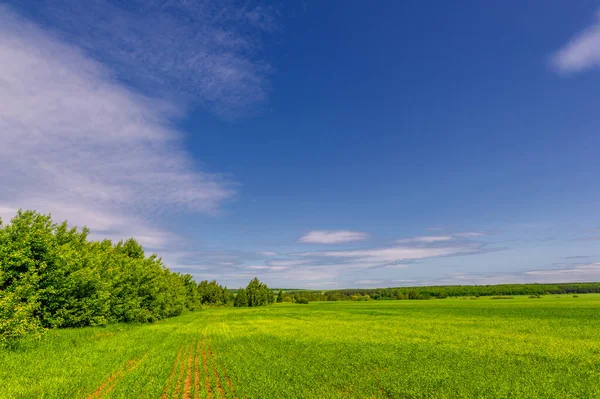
[(443, 291)]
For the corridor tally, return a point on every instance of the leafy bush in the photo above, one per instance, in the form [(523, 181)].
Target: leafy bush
[(302, 301), (16, 317)]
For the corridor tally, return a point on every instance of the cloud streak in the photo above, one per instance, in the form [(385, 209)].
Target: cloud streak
[(567, 273), (424, 239), (78, 144), (332, 237), (356, 266), (575, 273), (582, 52)]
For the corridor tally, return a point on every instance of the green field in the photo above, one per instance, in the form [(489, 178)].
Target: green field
[(451, 348)]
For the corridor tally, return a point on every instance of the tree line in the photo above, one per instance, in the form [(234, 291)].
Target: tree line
[(55, 276), (439, 292)]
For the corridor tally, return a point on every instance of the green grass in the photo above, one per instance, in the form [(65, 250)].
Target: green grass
[(452, 348)]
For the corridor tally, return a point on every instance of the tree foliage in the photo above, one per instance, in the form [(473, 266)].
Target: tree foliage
[(53, 276), (241, 299), (255, 294)]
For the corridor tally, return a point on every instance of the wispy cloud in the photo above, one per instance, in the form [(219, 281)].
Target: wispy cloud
[(588, 272), (204, 50), (332, 237), (211, 259), (349, 267), (347, 264), (441, 238), (575, 272), (78, 144), (269, 268), (424, 239), (582, 52), (366, 258), (470, 234)]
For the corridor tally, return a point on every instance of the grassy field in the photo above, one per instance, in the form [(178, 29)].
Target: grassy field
[(451, 348)]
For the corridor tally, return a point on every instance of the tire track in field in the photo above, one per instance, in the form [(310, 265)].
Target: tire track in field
[(197, 372), (190, 379), (207, 384), (181, 373), (112, 380), (220, 374), (167, 389), (187, 386), (220, 370), (216, 374), (227, 379)]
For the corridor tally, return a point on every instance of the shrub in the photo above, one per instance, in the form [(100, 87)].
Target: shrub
[(16, 318), (302, 301)]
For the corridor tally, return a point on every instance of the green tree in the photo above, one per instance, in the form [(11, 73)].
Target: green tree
[(280, 296), (257, 292), (241, 299)]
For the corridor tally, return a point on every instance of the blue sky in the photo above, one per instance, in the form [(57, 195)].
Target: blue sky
[(313, 144)]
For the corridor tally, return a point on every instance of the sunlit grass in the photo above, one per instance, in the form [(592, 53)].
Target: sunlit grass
[(524, 347)]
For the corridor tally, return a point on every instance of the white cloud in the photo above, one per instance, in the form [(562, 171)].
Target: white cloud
[(332, 237), (396, 266), (590, 272), (470, 234), (81, 146), (382, 256), (569, 273), (268, 253), (344, 266), (439, 238), (347, 267), (582, 52), (424, 239), (268, 268)]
